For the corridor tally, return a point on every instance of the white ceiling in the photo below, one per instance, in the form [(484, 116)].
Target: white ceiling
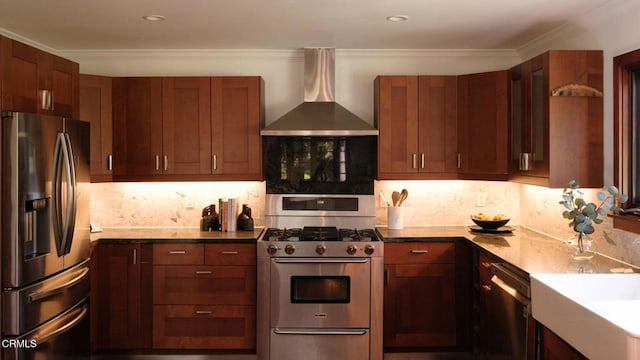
[(287, 24)]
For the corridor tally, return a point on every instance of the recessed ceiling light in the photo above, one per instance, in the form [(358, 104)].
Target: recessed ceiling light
[(397, 18), (153, 17)]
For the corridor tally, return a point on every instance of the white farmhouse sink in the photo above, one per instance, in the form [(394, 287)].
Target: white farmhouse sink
[(598, 314)]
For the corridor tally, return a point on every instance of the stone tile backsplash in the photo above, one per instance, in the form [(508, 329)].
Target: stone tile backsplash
[(436, 202), (168, 204)]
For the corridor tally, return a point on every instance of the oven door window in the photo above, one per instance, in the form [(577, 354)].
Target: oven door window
[(320, 290)]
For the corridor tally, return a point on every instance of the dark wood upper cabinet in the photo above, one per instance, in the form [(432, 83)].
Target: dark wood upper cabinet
[(396, 117), (416, 117), (237, 117), (187, 128), (438, 125), (137, 128), (95, 107), (186, 125), (555, 139), (38, 82), (483, 129)]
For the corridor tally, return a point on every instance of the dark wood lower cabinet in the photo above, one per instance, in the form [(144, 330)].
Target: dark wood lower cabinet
[(204, 327), (552, 347), (158, 298), (420, 305), (122, 298), (204, 296), (426, 296)]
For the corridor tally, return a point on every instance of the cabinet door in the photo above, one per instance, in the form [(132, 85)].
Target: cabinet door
[(437, 126), (553, 347), (28, 71), (95, 107), (396, 110), (186, 125), (419, 305), (529, 124), (137, 130), (62, 78), (124, 296), (20, 76), (237, 117), (483, 126)]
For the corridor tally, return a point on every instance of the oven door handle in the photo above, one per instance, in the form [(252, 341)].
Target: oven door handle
[(320, 332), (320, 261)]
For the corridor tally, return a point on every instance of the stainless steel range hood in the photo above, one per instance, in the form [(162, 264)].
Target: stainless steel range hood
[(319, 114)]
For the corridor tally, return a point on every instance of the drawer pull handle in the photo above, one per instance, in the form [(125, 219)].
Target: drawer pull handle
[(419, 251), (177, 252), (229, 252), (203, 272), (486, 288), (486, 265), (204, 312)]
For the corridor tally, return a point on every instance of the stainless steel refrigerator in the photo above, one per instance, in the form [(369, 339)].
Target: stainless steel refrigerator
[(45, 237)]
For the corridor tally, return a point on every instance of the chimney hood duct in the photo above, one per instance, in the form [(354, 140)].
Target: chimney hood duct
[(319, 114)]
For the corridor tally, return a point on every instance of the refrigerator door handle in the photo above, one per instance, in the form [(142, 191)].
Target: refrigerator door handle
[(64, 213), (56, 199), (43, 337), (37, 296), (70, 223)]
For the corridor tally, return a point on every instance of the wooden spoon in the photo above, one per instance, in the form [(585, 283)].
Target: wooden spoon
[(403, 196), (395, 197)]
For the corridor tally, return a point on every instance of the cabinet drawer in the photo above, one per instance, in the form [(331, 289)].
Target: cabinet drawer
[(178, 254), (204, 327), (204, 285), (230, 254), (419, 252)]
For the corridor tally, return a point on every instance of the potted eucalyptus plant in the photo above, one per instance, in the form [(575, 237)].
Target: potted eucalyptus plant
[(583, 215)]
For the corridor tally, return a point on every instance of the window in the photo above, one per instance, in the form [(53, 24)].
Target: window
[(626, 84)]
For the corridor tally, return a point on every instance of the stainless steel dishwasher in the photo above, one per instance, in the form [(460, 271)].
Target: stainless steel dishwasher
[(510, 310)]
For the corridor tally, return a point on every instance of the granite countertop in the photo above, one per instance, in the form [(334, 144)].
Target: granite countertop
[(531, 251), (155, 235)]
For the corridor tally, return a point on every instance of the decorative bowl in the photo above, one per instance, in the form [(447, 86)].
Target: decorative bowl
[(490, 224)]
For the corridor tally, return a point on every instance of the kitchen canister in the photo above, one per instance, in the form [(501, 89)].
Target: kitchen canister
[(395, 217)]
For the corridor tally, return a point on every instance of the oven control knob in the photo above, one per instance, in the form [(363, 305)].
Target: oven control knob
[(369, 249), (272, 249), (351, 249), (289, 249), (321, 249)]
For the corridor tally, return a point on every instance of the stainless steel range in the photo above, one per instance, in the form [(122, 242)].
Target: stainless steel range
[(320, 279)]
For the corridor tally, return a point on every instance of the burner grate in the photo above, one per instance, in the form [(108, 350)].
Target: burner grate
[(319, 233)]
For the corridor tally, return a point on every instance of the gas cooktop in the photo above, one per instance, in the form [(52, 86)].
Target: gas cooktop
[(319, 233)]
